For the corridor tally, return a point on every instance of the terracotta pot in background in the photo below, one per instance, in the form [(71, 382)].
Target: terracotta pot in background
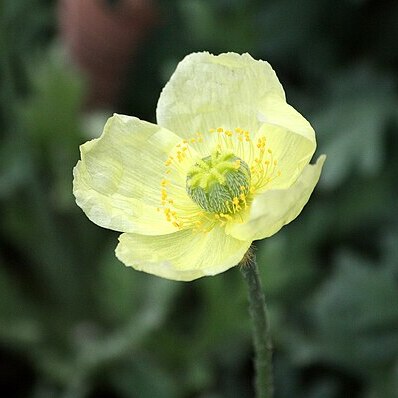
[(101, 37)]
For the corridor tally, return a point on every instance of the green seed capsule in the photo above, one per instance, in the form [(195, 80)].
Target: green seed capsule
[(216, 183)]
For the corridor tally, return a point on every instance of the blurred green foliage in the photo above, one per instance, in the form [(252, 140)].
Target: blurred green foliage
[(74, 322)]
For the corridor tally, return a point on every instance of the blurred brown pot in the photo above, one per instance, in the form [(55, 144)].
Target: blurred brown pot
[(101, 37)]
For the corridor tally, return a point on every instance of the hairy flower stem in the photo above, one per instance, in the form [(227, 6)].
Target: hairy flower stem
[(261, 333)]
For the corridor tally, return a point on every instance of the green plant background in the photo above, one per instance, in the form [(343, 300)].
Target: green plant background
[(74, 322)]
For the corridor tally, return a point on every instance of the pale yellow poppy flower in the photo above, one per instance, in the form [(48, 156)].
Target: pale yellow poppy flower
[(227, 164)]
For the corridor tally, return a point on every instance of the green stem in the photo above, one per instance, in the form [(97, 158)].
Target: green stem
[(261, 333)]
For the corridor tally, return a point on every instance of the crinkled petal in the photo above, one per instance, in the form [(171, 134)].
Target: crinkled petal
[(117, 182), (184, 255), (271, 210), (208, 91)]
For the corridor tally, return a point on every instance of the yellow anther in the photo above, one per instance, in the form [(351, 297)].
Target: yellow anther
[(212, 130), (220, 130)]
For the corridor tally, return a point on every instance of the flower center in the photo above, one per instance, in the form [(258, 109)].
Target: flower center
[(219, 183)]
